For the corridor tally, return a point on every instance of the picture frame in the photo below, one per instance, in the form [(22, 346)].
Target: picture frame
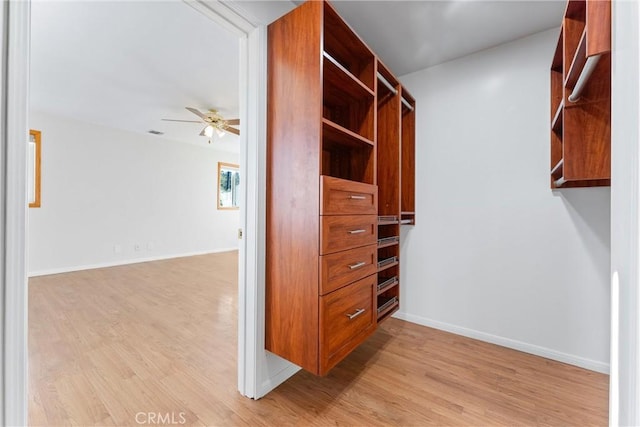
[(228, 186)]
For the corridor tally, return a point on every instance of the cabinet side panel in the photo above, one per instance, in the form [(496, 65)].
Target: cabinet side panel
[(598, 27), (293, 162), (389, 155), (408, 179)]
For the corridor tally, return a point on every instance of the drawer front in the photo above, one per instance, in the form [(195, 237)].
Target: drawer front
[(343, 197), (343, 232), (346, 319), (342, 268)]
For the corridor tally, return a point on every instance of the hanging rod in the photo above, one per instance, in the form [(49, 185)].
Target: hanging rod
[(406, 103), (560, 182), (589, 66), (387, 84)]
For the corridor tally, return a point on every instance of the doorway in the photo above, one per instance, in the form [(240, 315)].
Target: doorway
[(255, 375)]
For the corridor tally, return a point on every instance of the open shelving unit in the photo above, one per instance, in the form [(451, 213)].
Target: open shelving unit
[(581, 97), (335, 183)]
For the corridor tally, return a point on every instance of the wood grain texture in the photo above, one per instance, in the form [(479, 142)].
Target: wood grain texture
[(572, 29), (581, 130), (342, 268), (408, 154), (598, 27), (347, 318), (342, 232), (343, 197), (343, 44), (388, 148), (587, 129), (293, 185), (105, 344)]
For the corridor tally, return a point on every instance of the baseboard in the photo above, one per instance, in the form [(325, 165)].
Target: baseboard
[(548, 353), (276, 380), (123, 262)]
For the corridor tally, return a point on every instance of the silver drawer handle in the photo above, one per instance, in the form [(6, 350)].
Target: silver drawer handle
[(356, 314), (358, 231), (357, 197), (357, 265)]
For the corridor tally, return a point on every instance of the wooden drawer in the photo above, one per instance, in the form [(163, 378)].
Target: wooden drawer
[(344, 197), (342, 268), (339, 233), (347, 317)]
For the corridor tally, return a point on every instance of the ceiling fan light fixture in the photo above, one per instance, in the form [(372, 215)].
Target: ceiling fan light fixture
[(220, 132), (208, 131)]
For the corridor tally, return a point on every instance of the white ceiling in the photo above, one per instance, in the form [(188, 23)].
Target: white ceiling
[(411, 35), (129, 64)]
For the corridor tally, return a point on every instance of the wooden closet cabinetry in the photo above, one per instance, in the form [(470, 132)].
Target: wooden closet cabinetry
[(581, 97), (323, 231)]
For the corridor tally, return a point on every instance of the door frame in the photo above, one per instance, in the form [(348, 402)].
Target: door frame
[(258, 371)]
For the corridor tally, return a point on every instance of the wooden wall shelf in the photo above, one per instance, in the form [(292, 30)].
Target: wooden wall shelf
[(581, 128)]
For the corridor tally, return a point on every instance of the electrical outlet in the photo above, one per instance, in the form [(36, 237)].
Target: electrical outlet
[(136, 247)]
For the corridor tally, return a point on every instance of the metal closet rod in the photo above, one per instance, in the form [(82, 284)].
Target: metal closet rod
[(393, 90), (387, 84), (589, 66), (406, 103)]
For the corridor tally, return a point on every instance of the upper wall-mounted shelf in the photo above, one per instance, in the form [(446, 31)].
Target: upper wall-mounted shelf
[(581, 97)]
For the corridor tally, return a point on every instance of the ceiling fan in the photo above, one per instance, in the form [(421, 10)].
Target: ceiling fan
[(213, 122)]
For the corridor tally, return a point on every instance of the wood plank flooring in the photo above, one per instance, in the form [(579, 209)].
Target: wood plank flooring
[(109, 346)]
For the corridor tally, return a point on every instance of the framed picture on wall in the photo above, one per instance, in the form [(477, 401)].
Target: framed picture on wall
[(228, 186)]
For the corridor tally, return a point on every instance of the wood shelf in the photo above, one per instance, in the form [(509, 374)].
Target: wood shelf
[(335, 74), (580, 136), (386, 304), (386, 242), (556, 123), (387, 284), (384, 316), (577, 64), (388, 221), (343, 44), (333, 132), (556, 172), (387, 263), (331, 121)]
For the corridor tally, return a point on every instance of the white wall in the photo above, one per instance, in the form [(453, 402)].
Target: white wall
[(103, 187), (624, 402), (495, 253)]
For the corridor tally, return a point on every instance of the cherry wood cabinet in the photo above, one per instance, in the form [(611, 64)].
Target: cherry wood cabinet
[(329, 183), (581, 97)]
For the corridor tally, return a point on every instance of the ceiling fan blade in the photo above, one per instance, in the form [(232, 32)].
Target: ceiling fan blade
[(231, 130), (197, 113), (184, 121), (202, 131), (233, 122)]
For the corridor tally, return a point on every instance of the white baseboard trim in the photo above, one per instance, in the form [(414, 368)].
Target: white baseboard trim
[(123, 262), (276, 380), (592, 365)]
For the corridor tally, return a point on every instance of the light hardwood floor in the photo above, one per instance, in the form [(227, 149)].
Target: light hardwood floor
[(109, 345)]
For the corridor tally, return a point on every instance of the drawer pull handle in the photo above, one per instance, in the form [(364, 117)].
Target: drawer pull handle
[(357, 265), (354, 197), (358, 231), (356, 314)]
